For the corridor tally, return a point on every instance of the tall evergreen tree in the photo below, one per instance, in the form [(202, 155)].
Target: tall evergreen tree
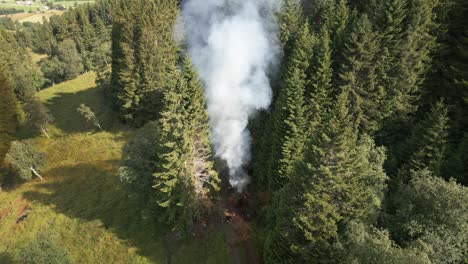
[(340, 180), (319, 90), (414, 53), (389, 18), (358, 75), (9, 113), (429, 141), (288, 120), (184, 177), (17, 65), (143, 50)]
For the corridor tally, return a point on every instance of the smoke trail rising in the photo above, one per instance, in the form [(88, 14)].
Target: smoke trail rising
[(232, 43)]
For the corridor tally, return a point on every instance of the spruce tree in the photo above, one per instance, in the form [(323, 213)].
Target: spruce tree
[(204, 177), (290, 20), (9, 113), (429, 140), (414, 56), (319, 90), (288, 120), (341, 179), (358, 75), (184, 177), (143, 51), (173, 189), (389, 21)]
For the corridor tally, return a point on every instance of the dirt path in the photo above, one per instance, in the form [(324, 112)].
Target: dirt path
[(237, 228)]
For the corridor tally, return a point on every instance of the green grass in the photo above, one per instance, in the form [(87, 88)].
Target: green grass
[(71, 3), (34, 7), (39, 6), (82, 200)]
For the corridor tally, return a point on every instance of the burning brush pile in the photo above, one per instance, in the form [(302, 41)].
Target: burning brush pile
[(237, 216)]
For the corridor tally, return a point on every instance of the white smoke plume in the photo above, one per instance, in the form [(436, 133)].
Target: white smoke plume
[(233, 44)]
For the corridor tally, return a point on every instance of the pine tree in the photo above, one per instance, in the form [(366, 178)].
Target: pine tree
[(358, 75), (17, 65), (448, 77), (289, 23), (414, 55), (319, 89), (173, 189), (288, 120), (143, 51), (44, 41), (341, 179), (123, 83), (184, 178), (389, 21), (429, 140), (9, 113), (205, 178), (332, 15)]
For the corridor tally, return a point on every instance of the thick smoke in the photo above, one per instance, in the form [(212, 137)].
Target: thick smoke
[(232, 43)]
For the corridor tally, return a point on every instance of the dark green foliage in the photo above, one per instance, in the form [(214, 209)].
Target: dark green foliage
[(140, 156), (368, 245), (184, 175), (359, 76), (341, 179), (429, 141), (142, 54), (457, 162), (433, 212), (425, 147), (37, 116), (290, 20), (42, 251), (333, 15), (9, 11), (288, 120), (65, 63), (414, 57), (319, 89), (9, 113), (24, 159), (168, 163), (18, 66)]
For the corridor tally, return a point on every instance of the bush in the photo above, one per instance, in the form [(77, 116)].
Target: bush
[(43, 251), (9, 11)]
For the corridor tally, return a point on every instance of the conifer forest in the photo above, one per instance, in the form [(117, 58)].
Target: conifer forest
[(234, 131)]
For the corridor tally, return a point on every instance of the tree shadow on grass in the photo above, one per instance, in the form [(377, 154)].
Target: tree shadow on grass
[(92, 191), (63, 108), (5, 258)]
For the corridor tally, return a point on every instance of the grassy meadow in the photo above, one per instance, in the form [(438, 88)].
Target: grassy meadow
[(37, 11), (81, 200), (36, 17)]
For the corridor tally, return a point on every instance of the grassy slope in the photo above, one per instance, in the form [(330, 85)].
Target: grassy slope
[(82, 200), (36, 7)]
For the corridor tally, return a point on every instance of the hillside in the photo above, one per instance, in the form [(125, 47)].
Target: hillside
[(81, 202)]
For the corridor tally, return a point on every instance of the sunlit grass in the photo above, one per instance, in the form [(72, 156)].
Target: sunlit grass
[(82, 199)]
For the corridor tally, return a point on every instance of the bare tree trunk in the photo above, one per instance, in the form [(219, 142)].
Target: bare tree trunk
[(36, 173), (45, 132)]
